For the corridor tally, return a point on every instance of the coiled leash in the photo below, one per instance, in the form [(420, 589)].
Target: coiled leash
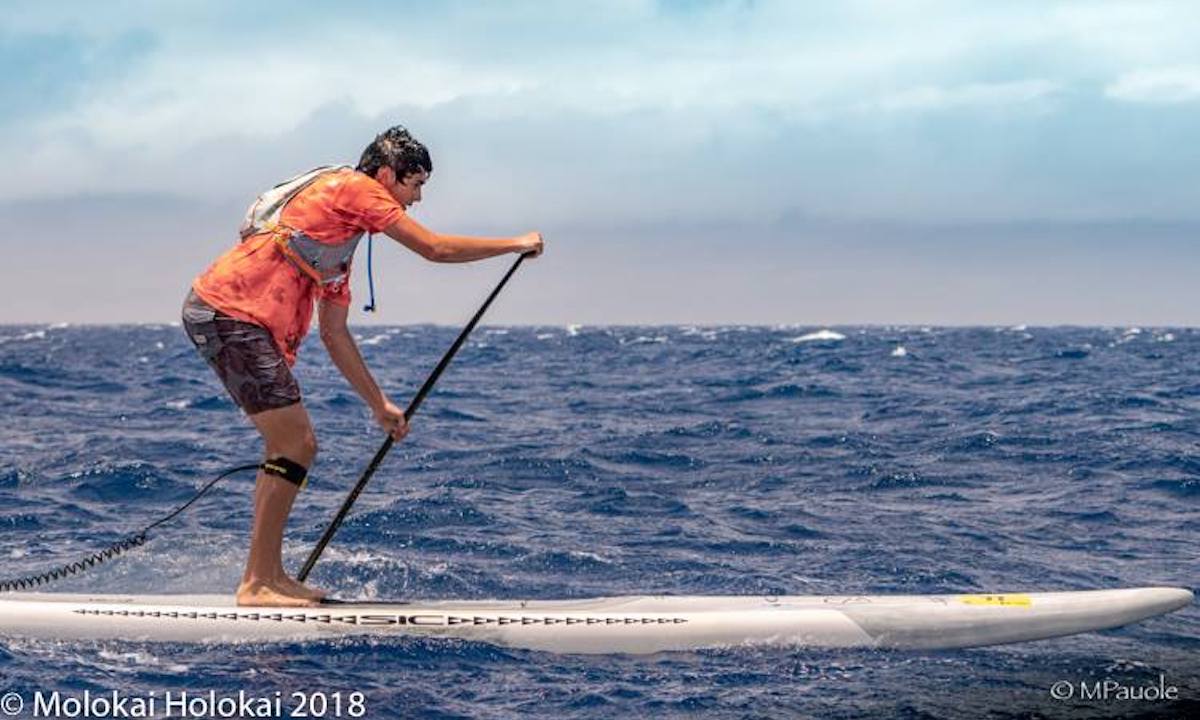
[(136, 540)]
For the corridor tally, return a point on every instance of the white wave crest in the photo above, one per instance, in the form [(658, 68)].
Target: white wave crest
[(141, 658), (820, 336), (645, 339), (375, 339)]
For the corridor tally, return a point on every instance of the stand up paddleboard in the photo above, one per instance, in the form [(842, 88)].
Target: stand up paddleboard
[(646, 624), (604, 625)]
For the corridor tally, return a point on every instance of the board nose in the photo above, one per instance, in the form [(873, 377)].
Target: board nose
[(1170, 599)]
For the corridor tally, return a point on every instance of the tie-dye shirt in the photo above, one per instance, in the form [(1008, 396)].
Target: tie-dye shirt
[(256, 283)]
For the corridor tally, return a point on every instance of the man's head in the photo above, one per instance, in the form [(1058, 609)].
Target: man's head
[(399, 162)]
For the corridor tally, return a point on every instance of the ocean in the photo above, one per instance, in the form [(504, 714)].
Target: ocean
[(571, 462)]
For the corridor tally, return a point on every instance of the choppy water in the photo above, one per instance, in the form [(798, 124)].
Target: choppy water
[(573, 462)]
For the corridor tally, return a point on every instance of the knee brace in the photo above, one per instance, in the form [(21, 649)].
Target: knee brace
[(289, 470)]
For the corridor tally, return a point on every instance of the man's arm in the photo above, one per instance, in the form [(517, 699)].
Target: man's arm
[(344, 352), (458, 248)]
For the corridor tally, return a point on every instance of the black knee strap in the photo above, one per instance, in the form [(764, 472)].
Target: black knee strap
[(289, 470)]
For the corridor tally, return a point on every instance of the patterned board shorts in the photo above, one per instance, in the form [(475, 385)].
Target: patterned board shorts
[(244, 356)]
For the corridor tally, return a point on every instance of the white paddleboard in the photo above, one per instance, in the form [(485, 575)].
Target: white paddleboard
[(644, 624)]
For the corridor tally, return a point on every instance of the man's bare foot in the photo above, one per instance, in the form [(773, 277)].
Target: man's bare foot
[(260, 594), (299, 588)]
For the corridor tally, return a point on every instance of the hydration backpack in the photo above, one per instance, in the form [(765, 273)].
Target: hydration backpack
[(263, 213)]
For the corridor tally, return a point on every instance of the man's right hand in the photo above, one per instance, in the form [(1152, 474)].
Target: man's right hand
[(530, 243)]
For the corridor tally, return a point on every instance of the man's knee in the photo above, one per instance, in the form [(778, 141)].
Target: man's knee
[(288, 433), (304, 449), (308, 447), (301, 448)]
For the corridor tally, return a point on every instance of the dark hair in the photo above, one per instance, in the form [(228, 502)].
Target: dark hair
[(397, 149)]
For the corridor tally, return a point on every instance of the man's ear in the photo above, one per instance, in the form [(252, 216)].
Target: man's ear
[(385, 175)]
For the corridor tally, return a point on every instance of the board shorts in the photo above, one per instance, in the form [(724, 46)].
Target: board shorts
[(244, 356)]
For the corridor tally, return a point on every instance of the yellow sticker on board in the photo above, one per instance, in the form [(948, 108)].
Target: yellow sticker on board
[(997, 600)]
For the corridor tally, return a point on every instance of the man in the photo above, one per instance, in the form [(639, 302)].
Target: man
[(249, 311)]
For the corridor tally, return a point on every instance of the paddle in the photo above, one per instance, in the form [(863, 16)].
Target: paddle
[(408, 414)]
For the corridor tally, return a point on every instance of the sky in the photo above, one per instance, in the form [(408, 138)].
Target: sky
[(914, 162)]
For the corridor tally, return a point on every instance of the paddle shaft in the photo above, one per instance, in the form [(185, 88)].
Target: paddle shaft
[(408, 415)]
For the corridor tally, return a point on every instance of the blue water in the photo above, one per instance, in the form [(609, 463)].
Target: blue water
[(574, 462)]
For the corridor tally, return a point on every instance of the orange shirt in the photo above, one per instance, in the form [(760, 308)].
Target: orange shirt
[(256, 283)]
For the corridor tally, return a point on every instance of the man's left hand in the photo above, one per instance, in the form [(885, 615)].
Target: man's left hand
[(391, 419)]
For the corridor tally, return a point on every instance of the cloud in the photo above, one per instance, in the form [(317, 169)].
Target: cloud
[(989, 95), (624, 111), (671, 141), (216, 71), (48, 73), (1158, 86)]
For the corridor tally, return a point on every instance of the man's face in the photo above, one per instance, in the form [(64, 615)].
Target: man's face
[(406, 191)]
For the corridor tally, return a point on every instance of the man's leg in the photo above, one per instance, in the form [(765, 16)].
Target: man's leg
[(288, 433)]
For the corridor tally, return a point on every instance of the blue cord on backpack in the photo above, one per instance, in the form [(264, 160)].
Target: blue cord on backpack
[(370, 307)]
